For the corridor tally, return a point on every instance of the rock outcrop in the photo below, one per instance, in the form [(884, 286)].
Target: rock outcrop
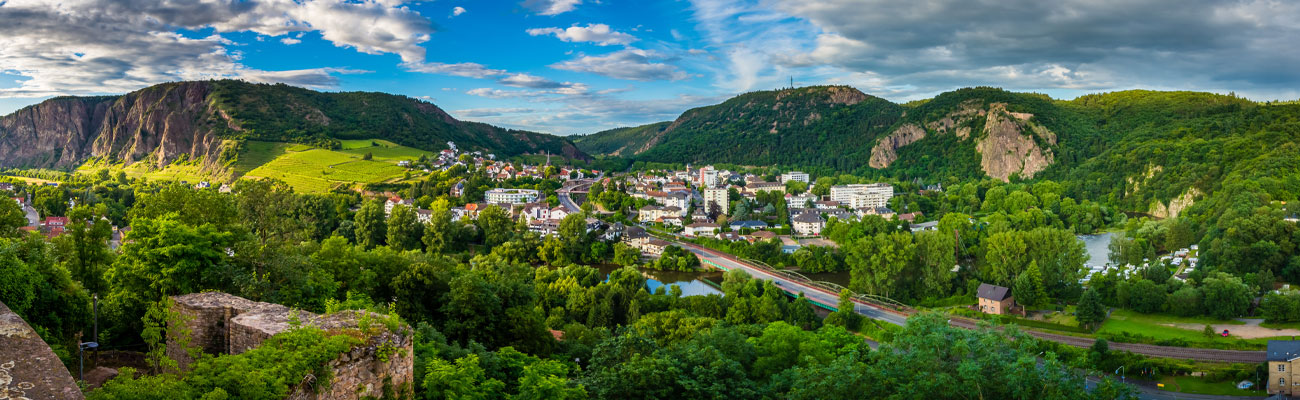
[(1006, 142), (28, 368), (1176, 205), (157, 125), (1006, 149), (886, 150), (220, 323)]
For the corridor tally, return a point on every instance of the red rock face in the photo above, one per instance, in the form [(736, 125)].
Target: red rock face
[(156, 125)]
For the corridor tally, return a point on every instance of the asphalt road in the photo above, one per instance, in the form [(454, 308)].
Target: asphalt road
[(33, 217)]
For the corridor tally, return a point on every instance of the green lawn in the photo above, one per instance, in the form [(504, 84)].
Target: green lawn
[(383, 150), (319, 170), (1165, 327), (1198, 385)]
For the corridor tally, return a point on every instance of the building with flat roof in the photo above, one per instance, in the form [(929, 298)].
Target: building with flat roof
[(796, 176), (511, 196), (716, 199)]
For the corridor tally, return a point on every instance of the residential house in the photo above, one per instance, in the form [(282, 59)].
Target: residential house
[(882, 212), (826, 205), (925, 226), (760, 236), (6, 186), (559, 212), (701, 229), (994, 299), (674, 221), (799, 200), (395, 201), (910, 217), (544, 227), (808, 224), (748, 224), (635, 236), (1281, 357), (729, 236), (699, 216), (654, 247), (424, 215), (54, 226), (536, 211)]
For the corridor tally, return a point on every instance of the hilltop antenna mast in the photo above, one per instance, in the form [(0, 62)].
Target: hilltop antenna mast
[(791, 81)]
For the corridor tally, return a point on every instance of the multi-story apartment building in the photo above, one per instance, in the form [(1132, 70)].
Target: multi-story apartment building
[(863, 195), (794, 176), (716, 199), (511, 196), (708, 177)]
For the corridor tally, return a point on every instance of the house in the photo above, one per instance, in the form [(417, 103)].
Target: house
[(54, 226), (395, 201), (544, 227), (701, 229), (6, 186), (674, 221), (536, 211), (1281, 357), (760, 236), (559, 212), (654, 247), (635, 236), (756, 187), (729, 236), (799, 200), (699, 216), (748, 224), (910, 217), (826, 205), (424, 215), (403, 163), (994, 299), (808, 224)]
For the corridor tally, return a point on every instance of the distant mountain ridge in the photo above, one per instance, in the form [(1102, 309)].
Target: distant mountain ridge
[(209, 120), (1155, 152)]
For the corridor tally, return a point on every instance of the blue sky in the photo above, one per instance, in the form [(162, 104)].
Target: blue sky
[(579, 66)]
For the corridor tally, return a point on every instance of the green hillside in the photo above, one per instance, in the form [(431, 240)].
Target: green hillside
[(621, 141)]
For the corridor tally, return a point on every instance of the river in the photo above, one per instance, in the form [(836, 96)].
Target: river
[(692, 283), (1098, 247)]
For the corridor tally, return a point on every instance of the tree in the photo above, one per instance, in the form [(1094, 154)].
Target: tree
[(1185, 302), (496, 226), (626, 255), (936, 260), (1146, 297), (1004, 257), (12, 217), (88, 235), (266, 206), (845, 314), (404, 229), (1029, 287), (876, 263), (371, 227), (165, 257), (442, 234), (1090, 311), (464, 380), (1225, 296)]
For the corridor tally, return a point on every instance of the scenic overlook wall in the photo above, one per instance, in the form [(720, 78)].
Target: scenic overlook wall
[(221, 323)]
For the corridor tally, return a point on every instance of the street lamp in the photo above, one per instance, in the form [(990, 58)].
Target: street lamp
[(81, 350), (1121, 377)]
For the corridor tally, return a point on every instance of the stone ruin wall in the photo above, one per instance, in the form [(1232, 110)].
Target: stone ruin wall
[(221, 323)]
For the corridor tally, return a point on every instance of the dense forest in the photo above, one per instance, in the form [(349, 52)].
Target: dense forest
[(483, 296)]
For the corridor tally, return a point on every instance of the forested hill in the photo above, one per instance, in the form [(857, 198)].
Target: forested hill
[(1153, 152), (209, 119), (830, 126)]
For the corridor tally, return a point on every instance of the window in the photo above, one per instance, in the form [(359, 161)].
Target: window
[(1281, 367), (1281, 381)]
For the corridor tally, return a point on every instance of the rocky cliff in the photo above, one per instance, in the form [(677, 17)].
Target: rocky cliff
[(155, 125), (1009, 143), (205, 120)]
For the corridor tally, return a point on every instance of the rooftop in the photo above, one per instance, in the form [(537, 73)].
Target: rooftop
[(993, 292), (1283, 350)]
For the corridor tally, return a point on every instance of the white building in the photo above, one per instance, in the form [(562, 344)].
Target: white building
[(395, 201), (702, 229), (511, 196), (708, 177), (716, 198), (796, 176), (863, 195), (808, 223)]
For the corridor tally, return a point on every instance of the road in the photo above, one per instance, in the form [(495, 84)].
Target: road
[(827, 298), (817, 295), (33, 217)]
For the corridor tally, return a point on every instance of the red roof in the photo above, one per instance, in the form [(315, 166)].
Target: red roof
[(56, 221)]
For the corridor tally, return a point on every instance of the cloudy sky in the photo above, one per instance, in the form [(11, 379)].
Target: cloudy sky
[(578, 66)]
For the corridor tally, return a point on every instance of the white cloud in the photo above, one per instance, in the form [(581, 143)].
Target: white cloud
[(595, 33), (633, 64), (468, 70), (551, 7), (102, 46), (457, 11), (290, 41)]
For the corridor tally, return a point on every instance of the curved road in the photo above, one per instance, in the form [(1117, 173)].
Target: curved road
[(829, 299)]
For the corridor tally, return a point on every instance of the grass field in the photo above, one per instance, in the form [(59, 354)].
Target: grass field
[(1160, 326), (318, 170), (383, 150), (1198, 385), (34, 181), (255, 154)]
